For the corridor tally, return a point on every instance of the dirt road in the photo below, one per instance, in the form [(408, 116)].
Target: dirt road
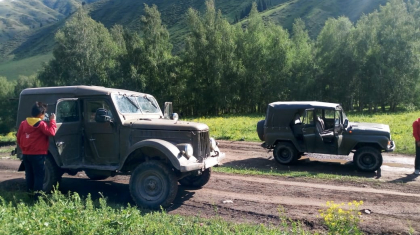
[(392, 195)]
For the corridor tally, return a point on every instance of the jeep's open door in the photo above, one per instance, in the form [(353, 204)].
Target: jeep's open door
[(338, 128), (68, 137), (101, 131), (309, 130)]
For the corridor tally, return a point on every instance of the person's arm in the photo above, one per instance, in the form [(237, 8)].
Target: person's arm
[(19, 134), (49, 129), (416, 131)]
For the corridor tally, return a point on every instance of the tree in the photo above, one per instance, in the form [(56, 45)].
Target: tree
[(210, 61), (84, 54), (301, 79), (7, 117), (336, 62)]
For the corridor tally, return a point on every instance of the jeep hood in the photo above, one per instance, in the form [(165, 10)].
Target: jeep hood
[(364, 128), (165, 124)]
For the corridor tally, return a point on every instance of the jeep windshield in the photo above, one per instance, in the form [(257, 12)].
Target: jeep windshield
[(135, 103)]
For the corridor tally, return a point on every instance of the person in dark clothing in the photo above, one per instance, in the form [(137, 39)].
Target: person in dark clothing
[(416, 134), (33, 139)]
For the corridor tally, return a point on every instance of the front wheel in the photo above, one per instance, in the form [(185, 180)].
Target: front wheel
[(197, 181), (368, 159), (285, 153), (153, 184), (52, 174)]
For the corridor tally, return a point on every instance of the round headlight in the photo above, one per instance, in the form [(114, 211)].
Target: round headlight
[(188, 149), (175, 117), (213, 143)]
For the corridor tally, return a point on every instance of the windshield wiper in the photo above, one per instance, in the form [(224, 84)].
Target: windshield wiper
[(147, 98), (132, 102)]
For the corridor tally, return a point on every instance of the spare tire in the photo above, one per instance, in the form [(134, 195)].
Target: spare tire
[(260, 130)]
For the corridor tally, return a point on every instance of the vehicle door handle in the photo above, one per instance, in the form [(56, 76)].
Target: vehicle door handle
[(91, 139), (303, 130)]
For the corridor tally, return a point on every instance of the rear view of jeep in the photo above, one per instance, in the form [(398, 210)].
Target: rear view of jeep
[(291, 129)]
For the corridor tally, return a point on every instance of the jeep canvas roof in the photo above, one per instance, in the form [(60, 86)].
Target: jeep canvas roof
[(302, 105)]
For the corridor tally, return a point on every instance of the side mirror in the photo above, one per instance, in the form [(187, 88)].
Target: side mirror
[(101, 116), (168, 111), (346, 123)]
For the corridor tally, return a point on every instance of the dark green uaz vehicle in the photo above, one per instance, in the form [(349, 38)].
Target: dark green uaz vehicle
[(293, 128), (107, 132)]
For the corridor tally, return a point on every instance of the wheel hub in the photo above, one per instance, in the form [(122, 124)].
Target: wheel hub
[(150, 187)]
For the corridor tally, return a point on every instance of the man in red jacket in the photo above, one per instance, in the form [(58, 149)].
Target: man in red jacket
[(33, 139), (416, 134)]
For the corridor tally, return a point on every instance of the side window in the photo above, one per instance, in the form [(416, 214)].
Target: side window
[(92, 106), (337, 120), (68, 111), (329, 114), (308, 118)]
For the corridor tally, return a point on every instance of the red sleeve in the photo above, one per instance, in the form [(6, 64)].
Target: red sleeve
[(49, 129), (19, 134), (416, 131)]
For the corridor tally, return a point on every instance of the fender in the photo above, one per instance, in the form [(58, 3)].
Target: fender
[(167, 148)]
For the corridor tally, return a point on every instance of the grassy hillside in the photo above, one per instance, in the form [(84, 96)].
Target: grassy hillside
[(26, 67), (21, 36), (315, 13), (21, 20)]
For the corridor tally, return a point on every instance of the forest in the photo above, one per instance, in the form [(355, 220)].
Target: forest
[(223, 68)]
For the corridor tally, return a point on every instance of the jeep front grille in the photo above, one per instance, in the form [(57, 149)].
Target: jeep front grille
[(202, 145), (205, 143)]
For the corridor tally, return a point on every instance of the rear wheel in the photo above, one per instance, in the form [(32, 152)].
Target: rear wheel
[(285, 153), (52, 174), (153, 184), (368, 159), (197, 181)]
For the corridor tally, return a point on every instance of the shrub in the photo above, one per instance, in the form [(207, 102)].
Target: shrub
[(342, 221)]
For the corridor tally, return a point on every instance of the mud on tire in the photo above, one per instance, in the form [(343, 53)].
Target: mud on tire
[(368, 159), (285, 153), (52, 174), (153, 184), (196, 181)]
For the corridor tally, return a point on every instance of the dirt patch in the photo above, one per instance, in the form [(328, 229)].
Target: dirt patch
[(393, 195)]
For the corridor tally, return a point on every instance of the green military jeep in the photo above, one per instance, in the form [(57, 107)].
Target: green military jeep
[(107, 132), (293, 128)]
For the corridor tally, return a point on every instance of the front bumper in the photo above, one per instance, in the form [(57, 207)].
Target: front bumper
[(390, 147), (211, 161)]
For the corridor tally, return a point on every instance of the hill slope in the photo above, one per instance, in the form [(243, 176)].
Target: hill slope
[(21, 41), (19, 20)]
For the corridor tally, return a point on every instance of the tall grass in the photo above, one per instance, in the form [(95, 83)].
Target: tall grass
[(70, 214), (243, 127)]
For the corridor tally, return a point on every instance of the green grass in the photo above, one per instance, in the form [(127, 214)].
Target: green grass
[(71, 214), (26, 67), (243, 127), (293, 174)]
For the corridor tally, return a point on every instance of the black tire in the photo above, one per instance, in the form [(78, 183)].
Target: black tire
[(153, 184), (197, 181), (95, 176), (260, 130), (285, 153), (52, 174), (368, 159)]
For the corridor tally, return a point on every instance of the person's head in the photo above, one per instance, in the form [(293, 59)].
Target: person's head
[(39, 109)]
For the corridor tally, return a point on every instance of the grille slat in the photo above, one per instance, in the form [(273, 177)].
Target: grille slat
[(204, 144)]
